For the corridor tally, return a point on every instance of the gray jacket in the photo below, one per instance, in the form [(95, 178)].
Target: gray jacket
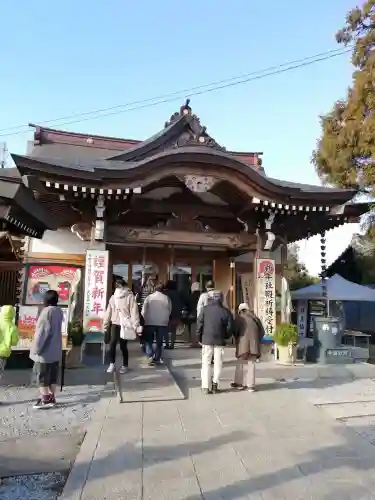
[(47, 342), (204, 299), (157, 309)]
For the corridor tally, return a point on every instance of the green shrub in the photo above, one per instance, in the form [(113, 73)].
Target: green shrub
[(76, 335), (286, 334)]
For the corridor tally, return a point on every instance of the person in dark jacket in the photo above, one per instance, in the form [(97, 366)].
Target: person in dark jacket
[(175, 318), (191, 319), (214, 327), (248, 333)]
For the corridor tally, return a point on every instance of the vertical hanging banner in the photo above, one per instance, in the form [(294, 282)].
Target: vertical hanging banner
[(247, 285), (96, 286), (266, 295), (302, 317)]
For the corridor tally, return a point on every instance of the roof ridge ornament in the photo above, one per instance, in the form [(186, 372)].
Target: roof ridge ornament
[(185, 110), (196, 134)]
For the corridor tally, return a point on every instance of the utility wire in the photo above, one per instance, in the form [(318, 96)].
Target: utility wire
[(193, 91), (184, 91)]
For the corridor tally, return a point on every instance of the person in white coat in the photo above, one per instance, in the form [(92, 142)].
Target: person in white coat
[(121, 304)]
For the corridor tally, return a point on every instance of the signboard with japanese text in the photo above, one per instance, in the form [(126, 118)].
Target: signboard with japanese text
[(43, 277), (27, 319), (96, 285), (302, 306), (266, 295), (247, 288)]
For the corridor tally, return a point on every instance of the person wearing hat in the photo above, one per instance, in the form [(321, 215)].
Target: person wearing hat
[(214, 327), (248, 333)]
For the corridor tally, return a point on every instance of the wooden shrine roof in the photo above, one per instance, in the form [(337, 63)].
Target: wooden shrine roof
[(20, 213), (182, 147)]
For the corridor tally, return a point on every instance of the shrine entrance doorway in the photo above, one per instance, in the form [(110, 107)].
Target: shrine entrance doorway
[(185, 265)]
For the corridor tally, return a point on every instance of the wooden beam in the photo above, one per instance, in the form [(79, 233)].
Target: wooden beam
[(164, 207), (10, 265), (149, 236), (56, 258)]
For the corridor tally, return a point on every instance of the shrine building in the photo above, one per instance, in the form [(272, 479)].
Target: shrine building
[(176, 205)]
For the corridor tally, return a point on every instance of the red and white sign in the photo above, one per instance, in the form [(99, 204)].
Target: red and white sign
[(266, 295), (96, 285), (27, 319), (44, 277)]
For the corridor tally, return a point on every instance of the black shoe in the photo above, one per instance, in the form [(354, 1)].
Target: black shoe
[(215, 389), (206, 391), (44, 404)]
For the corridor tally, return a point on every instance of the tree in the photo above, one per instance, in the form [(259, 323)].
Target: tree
[(295, 272), (345, 153)]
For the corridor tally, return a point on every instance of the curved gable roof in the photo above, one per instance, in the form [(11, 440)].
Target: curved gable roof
[(203, 160)]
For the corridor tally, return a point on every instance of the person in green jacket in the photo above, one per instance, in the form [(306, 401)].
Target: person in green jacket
[(9, 334)]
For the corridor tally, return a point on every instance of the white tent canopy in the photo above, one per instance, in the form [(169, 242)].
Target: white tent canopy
[(338, 288)]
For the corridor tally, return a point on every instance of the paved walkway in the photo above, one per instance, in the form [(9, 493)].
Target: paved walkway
[(275, 444)]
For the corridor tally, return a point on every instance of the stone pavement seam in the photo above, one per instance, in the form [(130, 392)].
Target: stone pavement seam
[(170, 370), (190, 456), (142, 449), (236, 452), (80, 470)]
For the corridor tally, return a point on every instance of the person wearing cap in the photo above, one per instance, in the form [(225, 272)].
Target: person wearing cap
[(214, 327), (248, 333)]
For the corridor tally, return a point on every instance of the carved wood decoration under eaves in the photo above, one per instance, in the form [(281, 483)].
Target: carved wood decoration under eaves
[(199, 183), (117, 234), (184, 222)]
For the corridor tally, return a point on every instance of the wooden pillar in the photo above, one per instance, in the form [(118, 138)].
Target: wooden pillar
[(171, 263), (193, 272), (232, 301), (222, 272), (130, 274), (255, 277)]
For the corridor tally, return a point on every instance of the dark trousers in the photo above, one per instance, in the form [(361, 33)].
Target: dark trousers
[(172, 334), (157, 333), (115, 338)]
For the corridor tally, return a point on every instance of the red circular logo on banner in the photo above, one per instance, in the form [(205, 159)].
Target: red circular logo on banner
[(266, 267)]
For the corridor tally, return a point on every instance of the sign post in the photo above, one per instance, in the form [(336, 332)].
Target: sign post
[(266, 296), (96, 290), (247, 284), (302, 306)]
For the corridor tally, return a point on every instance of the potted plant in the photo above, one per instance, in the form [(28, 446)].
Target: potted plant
[(286, 338), (76, 338)]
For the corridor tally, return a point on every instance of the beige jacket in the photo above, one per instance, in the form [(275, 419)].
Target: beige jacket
[(122, 300)]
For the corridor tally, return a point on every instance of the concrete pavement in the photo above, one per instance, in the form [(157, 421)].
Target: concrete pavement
[(277, 443)]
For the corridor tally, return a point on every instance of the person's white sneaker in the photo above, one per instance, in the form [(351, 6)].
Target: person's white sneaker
[(111, 368), (124, 369)]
